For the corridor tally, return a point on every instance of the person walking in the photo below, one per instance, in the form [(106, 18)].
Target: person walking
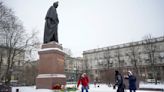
[(84, 81), (95, 83), (132, 81), (119, 82)]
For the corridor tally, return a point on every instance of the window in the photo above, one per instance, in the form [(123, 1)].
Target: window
[(150, 76), (162, 54)]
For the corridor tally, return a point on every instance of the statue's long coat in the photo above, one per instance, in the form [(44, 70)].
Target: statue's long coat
[(51, 25)]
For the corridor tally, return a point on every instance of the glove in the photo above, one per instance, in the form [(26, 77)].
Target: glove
[(114, 87)]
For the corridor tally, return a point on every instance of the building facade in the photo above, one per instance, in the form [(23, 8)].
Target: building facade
[(145, 58), (73, 68), (15, 65)]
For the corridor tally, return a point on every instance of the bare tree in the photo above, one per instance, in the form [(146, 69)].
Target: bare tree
[(29, 73), (86, 65), (107, 58), (134, 56), (15, 39), (150, 49), (118, 58), (106, 64), (1, 62), (68, 51)]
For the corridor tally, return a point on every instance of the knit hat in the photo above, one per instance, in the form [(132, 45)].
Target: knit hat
[(130, 72)]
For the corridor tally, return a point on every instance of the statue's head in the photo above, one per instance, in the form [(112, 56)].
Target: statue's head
[(55, 4)]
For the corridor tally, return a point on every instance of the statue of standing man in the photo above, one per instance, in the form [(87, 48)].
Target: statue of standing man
[(51, 24)]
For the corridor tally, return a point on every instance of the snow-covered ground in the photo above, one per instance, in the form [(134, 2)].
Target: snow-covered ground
[(151, 85), (101, 88)]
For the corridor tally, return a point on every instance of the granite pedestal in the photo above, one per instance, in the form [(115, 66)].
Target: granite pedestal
[(51, 66)]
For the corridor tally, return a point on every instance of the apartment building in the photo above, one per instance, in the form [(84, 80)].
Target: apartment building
[(137, 56), (73, 67), (17, 64)]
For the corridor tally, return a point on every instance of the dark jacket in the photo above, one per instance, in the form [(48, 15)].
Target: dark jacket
[(132, 82), (119, 82)]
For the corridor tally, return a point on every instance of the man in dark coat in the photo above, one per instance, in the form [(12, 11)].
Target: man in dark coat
[(51, 24), (119, 82), (132, 81)]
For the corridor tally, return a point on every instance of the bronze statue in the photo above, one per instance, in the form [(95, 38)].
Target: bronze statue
[(51, 24)]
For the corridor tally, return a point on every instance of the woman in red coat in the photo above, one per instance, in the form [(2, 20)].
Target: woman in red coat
[(84, 81)]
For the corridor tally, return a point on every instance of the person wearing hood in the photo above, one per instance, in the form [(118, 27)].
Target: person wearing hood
[(132, 81), (119, 82)]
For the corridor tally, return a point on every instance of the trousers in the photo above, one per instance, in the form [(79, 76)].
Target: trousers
[(84, 88)]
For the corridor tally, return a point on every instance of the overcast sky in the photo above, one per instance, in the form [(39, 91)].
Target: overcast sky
[(89, 24)]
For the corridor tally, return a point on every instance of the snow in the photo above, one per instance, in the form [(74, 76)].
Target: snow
[(92, 88), (47, 49), (51, 75), (151, 85), (30, 89)]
